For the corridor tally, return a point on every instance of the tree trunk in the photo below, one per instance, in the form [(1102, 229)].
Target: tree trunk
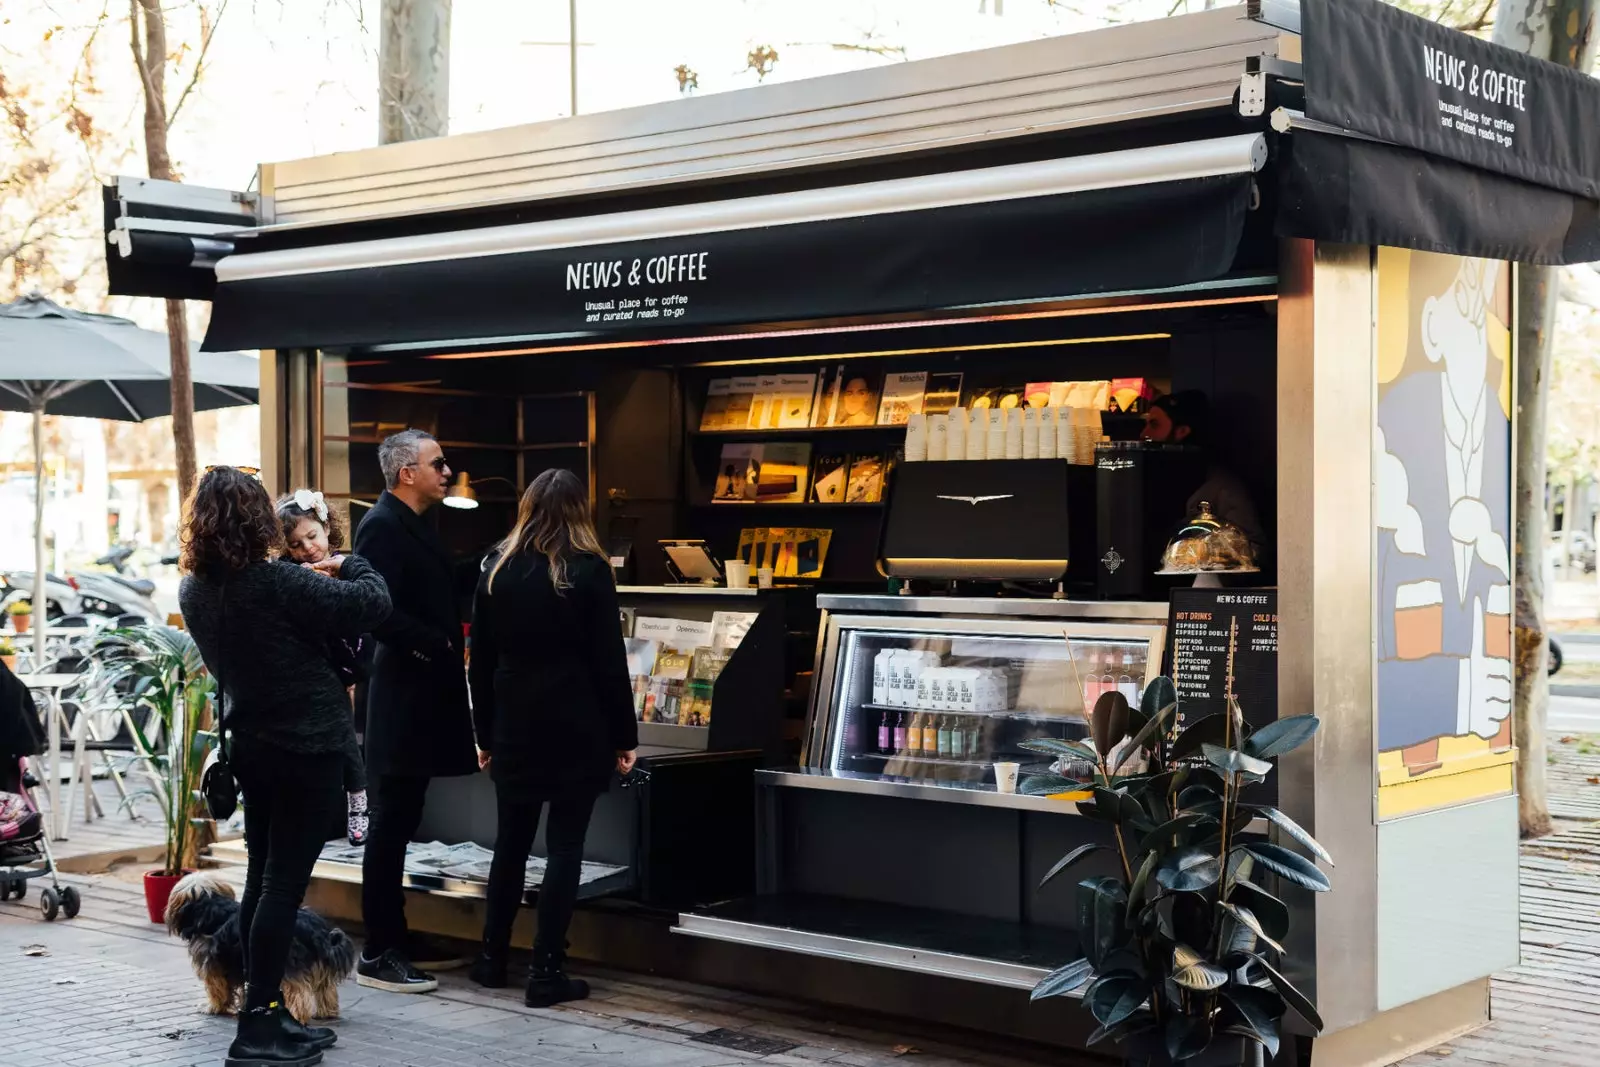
[(1536, 305), (150, 59), (413, 70), (1562, 31)]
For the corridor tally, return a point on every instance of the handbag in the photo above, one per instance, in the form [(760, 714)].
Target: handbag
[(218, 785)]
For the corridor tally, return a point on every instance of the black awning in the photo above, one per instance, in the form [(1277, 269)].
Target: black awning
[(1137, 236), (1376, 70), (1343, 189)]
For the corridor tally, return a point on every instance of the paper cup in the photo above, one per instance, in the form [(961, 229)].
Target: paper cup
[(1005, 777), (737, 572), (764, 578)]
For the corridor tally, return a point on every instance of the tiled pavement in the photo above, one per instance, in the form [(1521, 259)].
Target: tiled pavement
[(114, 989)]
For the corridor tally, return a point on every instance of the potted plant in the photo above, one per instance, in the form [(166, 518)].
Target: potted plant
[(157, 671), (21, 612), (1183, 949), (8, 654)]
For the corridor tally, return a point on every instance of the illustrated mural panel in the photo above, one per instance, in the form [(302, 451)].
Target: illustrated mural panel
[(1443, 513)]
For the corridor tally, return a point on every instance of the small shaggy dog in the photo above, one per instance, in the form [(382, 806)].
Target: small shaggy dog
[(203, 911)]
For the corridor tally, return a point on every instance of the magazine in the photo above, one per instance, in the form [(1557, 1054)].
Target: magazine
[(738, 474), (829, 475), (848, 397), (784, 471), (866, 480), (903, 393)]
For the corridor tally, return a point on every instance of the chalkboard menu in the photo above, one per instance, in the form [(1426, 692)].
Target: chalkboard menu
[(1203, 624)]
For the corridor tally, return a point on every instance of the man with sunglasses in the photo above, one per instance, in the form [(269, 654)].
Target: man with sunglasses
[(418, 723)]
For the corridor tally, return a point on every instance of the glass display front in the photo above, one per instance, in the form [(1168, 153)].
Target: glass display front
[(947, 706)]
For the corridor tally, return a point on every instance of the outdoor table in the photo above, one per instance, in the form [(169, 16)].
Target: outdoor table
[(51, 686)]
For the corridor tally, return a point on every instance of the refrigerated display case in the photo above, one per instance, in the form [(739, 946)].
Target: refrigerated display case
[(890, 847), (942, 700)]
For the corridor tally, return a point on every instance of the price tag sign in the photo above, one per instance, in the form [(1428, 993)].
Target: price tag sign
[(1203, 624)]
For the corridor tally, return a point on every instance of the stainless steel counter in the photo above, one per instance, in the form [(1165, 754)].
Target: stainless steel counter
[(687, 590), (971, 793), (1016, 607)]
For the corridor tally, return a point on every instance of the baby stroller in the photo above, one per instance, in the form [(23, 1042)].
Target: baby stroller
[(24, 846)]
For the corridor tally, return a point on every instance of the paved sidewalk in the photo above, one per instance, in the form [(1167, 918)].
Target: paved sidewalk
[(114, 989)]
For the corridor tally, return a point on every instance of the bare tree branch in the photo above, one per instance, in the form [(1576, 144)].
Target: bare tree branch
[(199, 63)]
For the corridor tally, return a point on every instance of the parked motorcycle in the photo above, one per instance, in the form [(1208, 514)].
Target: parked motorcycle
[(61, 597), (115, 592)]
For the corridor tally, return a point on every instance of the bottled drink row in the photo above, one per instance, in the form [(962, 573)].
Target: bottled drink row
[(1112, 671), (922, 734)]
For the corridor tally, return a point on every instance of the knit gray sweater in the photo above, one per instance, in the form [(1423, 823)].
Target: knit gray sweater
[(264, 631)]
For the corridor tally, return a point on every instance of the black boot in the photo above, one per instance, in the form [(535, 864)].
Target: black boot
[(548, 982), (315, 1036), (266, 1040), (489, 969)]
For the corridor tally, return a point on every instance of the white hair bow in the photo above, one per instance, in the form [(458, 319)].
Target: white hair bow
[(308, 500)]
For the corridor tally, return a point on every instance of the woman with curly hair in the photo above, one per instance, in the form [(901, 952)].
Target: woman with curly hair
[(264, 629), (312, 533)]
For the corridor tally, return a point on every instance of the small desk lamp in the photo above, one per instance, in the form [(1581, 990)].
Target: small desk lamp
[(462, 494)]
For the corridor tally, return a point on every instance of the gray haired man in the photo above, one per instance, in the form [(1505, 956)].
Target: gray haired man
[(418, 723)]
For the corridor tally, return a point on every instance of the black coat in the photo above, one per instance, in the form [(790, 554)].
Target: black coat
[(551, 698), (417, 717)]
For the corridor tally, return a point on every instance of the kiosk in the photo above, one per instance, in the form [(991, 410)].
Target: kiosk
[(1311, 212)]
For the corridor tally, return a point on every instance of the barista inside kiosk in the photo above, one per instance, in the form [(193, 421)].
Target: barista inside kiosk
[(1183, 418)]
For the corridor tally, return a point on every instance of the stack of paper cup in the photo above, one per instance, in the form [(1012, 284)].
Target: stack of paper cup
[(978, 433), (1030, 434), (938, 437), (1085, 435), (1047, 433), (994, 445), (1013, 433), (916, 438), (1066, 427), (955, 446)]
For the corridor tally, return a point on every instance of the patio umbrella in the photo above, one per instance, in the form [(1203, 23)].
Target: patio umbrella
[(97, 367)]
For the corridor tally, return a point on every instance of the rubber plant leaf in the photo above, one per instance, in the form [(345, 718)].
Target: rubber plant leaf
[(1270, 912), (1108, 722), (1117, 999), (1189, 870), (1292, 828), (1055, 746), (1187, 1036), (1232, 761), (1247, 919), (1296, 1000), (1291, 865), (1281, 735), (1212, 729), (1063, 980), (1069, 859), (1193, 971)]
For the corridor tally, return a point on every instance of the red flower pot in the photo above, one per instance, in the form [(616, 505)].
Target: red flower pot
[(158, 890)]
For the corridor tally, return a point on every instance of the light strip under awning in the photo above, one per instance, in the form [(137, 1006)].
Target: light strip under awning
[(1239, 154)]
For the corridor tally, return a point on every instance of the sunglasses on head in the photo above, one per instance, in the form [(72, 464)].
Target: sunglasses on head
[(254, 472)]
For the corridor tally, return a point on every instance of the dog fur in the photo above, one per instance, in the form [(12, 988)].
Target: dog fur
[(204, 912)]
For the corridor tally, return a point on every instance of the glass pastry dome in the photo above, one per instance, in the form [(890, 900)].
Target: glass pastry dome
[(1206, 544)]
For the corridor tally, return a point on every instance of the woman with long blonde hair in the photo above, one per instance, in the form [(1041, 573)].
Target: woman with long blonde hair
[(552, 709)]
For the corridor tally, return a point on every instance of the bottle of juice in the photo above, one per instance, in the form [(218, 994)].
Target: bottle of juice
[(901, 725), (944, 738)]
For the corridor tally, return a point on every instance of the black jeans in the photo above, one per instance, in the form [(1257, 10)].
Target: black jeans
[(395, 801), (564, 833), (289, 799)]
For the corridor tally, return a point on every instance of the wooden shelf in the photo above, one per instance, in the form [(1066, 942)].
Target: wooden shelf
[(798, 431), (745, 505)]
